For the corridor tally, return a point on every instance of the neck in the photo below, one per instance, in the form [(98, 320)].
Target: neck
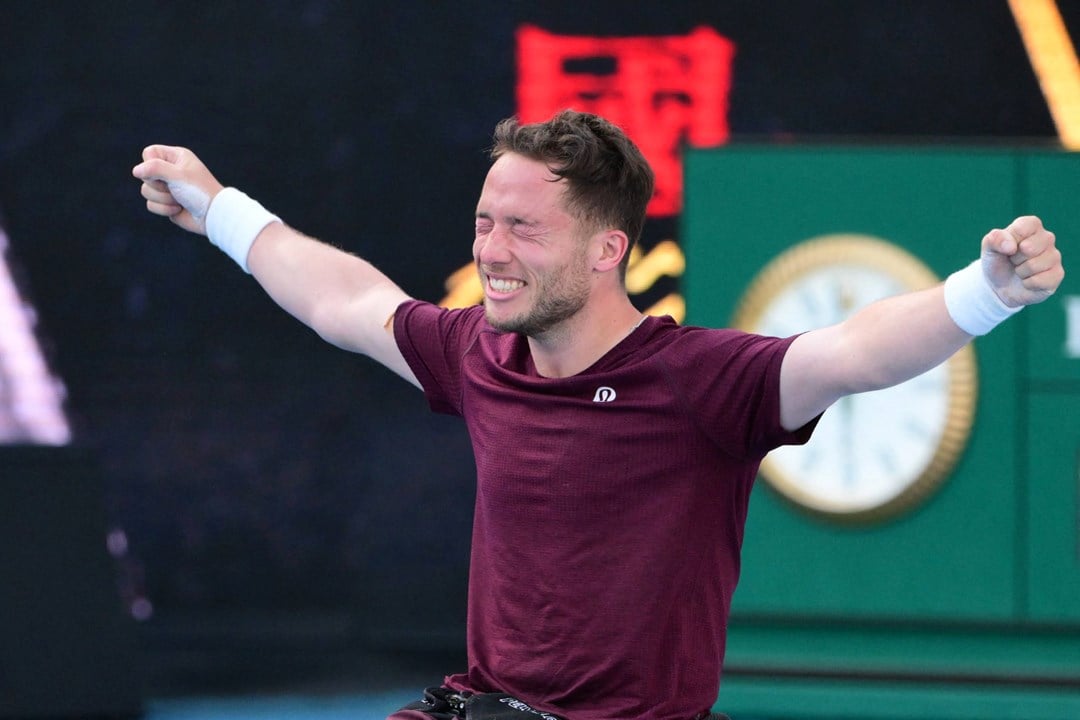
[(580, 341)]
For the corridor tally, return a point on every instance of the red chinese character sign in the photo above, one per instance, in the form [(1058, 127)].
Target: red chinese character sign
[(664, 91)]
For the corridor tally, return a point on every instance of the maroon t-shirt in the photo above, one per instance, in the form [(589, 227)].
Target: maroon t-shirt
[(610, 507)]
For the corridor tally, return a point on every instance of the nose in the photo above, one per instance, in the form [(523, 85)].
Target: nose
[(493, 247)]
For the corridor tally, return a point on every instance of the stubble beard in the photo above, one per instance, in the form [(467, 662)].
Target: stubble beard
[(559, 299)]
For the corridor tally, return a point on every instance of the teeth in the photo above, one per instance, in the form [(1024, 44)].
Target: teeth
[(505, 285)]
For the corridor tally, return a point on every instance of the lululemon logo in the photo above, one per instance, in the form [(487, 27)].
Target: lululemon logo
[(604, 394)]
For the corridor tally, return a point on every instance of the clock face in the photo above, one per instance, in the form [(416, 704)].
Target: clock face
[(872, 454)]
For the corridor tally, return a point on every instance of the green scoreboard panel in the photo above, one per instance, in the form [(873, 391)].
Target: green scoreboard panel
[(1051, 380), (978, 578)]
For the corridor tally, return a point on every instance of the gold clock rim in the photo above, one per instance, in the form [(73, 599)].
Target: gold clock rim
[(876, 253)]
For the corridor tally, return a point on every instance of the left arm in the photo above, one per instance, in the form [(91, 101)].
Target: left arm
[(895, 339)]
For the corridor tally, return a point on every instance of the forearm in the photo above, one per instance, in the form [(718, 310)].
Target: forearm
[(930, 326), (896, 339), (343, 298), (883, 344)]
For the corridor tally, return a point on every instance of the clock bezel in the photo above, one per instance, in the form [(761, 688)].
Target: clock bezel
[(880, 255)]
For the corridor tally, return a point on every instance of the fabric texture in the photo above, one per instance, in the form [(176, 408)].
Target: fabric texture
[(610, 507)]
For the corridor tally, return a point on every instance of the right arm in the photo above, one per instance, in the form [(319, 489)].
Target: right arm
[(340, 296)]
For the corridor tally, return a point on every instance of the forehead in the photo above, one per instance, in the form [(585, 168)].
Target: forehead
[(517, 185)]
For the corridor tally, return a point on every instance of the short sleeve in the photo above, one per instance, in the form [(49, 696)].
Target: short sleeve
[(433, 341), (732, 381)]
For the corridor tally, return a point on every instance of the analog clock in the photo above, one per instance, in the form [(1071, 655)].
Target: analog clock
[(874, 454)]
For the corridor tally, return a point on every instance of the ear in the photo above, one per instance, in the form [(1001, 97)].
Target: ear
[(608, 249)]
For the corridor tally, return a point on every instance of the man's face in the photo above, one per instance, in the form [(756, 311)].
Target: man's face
[(529, 250)]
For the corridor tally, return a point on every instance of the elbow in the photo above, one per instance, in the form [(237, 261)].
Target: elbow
[(324, 318)]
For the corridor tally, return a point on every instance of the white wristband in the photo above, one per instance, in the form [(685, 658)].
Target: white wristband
[(234, 221), (972, 302)]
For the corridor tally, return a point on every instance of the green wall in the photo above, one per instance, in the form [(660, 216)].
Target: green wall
[(977, 588)]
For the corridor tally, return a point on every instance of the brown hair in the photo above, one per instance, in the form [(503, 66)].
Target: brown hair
[(609, 182)]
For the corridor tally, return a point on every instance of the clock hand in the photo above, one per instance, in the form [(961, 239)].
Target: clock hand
[(847, 299), (846, 409)]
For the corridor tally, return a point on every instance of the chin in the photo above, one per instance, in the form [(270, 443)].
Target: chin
[(505, 322)]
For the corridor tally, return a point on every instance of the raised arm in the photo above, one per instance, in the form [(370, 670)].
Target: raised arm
[(895, 339), (340, 296)]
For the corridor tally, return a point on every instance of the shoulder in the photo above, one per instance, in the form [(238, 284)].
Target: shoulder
[(690, 344), (413, 315), (422, 329)]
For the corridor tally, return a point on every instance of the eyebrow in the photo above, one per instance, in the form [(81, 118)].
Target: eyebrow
[(514, 219)]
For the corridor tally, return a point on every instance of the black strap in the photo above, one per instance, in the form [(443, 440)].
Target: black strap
[(445, 704), (441, 703), (500, 706)]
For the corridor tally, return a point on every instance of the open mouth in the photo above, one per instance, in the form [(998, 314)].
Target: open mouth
[(503, 285)]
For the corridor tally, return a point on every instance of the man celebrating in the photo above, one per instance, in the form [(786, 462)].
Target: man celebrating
[(614, 452)]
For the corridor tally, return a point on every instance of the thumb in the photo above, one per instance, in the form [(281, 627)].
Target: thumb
[(159, 162), (164, 162), (168, 153), (1000, 242)]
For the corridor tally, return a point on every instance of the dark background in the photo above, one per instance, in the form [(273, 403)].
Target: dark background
[(278, 493)]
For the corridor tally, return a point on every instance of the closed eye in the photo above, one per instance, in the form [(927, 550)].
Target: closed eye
[(527, 230)]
